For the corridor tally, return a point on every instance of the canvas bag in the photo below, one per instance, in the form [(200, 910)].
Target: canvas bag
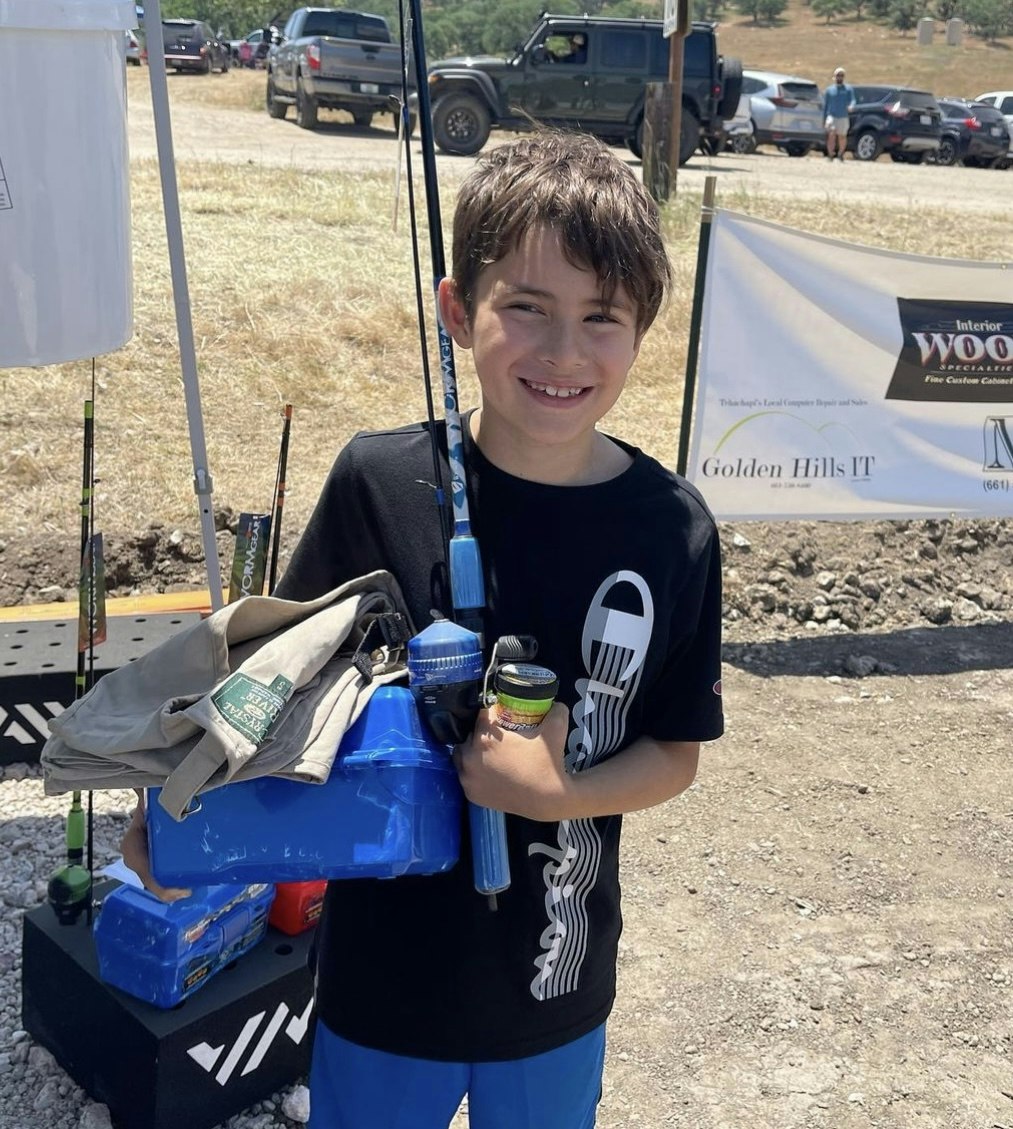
[(261, 687)]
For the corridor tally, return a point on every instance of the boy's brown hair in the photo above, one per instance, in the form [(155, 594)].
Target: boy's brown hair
[(576, 186)]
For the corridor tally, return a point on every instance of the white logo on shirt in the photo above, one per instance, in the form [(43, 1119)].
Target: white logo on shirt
[(613, 646)]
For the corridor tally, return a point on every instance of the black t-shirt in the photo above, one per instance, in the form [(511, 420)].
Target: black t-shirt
[(620, 584)]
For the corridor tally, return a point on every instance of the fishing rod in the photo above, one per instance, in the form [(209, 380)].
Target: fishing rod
[(279, 497), (445, 661), (70, 885)]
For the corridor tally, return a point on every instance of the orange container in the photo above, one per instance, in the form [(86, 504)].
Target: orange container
[(297, 905)]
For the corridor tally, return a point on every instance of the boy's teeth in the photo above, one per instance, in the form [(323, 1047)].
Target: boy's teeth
[(549, 390)]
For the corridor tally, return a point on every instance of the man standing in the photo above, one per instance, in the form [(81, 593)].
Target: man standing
[(838, 99)]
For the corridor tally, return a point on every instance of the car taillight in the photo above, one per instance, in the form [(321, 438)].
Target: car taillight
[(897, 110), (203, 52), (972, 123), (313, 56), (784, 103)]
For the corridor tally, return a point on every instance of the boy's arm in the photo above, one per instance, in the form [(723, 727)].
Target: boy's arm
[(523, 774)]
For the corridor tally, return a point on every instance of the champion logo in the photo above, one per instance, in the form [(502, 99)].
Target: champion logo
[(26, 724), (208, 1057)]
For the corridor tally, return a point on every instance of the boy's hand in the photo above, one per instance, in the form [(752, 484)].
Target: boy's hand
[(134, 848), (519, 773)]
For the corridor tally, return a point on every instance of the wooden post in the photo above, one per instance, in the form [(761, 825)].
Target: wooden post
[(657, 138), (663, 110)]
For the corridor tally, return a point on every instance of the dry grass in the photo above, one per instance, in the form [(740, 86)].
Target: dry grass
[(301, 292), (805, 45)]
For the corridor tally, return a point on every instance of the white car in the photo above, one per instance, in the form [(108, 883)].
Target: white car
[(1003, 102), (739, 133)]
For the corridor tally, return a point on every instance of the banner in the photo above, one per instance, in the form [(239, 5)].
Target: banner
[(845, 382)]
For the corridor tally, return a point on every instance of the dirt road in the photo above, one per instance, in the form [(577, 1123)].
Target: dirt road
[(206, 133)]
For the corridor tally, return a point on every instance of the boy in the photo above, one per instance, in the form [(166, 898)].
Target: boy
[(612, 563)]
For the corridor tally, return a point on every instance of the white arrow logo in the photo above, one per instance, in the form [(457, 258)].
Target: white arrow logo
[(207, 1056)]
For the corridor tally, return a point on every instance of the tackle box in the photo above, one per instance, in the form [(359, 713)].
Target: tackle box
[(390, 806), (163, 952)]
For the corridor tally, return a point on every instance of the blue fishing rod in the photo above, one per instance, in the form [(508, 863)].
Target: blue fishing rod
[(445, 661)]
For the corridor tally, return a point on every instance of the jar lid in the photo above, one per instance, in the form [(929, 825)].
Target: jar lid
[(526, 681)]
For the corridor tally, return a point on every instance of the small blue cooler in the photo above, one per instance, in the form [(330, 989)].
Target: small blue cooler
[(390, 806), (163, 952)]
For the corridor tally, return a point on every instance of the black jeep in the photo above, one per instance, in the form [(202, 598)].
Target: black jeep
[(588, 73)]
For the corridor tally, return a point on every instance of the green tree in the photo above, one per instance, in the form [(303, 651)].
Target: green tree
[(708, 9), (765, 10), (988, 18), (827, 9), (904, 15)]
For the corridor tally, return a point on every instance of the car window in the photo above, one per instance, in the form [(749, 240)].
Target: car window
[(179, 32), (752, 85), (1007, 104), (803, 91), (624, 50), (917, 100), (696, 54), (342, 24), (872, 93)]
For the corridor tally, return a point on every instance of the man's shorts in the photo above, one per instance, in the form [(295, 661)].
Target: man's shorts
[(837, 125), (353, 1087)]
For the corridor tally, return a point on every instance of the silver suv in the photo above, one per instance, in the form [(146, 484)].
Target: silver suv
[(787, 111)]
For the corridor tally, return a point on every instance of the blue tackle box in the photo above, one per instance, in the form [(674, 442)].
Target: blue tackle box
[(163, 952), (390, 806)]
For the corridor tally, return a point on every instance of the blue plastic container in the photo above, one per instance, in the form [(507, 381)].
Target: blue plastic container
[(163, 952), (391, 806)]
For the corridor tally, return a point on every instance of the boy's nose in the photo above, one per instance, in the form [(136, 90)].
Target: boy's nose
[(563, 347)]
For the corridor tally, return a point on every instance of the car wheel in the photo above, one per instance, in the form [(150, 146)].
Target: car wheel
[(710, 146), (226, 62), (946, 154), (743, 143), (796, 148), (635, 142), (867, 146), (305, 107), (689, 135), (461, 124), (275, 108), (207, 65)]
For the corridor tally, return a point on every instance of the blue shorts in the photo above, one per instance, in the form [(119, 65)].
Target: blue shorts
[(353, 1087)]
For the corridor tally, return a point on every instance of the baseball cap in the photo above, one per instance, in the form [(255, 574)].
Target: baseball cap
[(839, 70)]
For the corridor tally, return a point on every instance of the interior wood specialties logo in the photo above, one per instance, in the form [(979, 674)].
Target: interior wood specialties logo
[(954, 351)]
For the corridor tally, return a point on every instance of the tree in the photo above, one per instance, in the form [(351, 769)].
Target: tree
[(988, 18), (828, 9), (766, 10), (904, 15)]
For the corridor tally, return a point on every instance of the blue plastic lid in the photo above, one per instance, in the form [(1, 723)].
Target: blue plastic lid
[(444, 652)]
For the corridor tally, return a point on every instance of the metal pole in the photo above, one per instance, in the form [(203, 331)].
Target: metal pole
[(695, 319), (202, 483)]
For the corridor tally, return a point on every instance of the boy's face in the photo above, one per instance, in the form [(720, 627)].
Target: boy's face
[(550, 358)]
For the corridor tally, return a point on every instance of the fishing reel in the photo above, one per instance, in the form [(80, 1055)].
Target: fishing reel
[(447, 679), (70, 885)]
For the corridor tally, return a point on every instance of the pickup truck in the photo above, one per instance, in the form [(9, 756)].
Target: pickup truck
[(337, 59), (587, 73)]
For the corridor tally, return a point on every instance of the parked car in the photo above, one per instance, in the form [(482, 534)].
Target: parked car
[(898, 120), (786, 111), (251, 50), (132, 47), (191, 45), (1003, 102), (974, 133), (740, 135)]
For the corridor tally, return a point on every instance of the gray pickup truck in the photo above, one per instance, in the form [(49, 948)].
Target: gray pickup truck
[(337, 59)]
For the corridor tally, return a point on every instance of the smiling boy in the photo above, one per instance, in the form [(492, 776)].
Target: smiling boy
[(612, 562)]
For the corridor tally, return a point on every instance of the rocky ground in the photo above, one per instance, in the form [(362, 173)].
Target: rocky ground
[(818, 932)]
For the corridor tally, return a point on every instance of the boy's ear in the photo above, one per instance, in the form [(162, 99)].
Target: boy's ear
[(453, 314)]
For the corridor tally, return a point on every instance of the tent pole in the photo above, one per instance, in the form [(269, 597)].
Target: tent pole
[(203, 485)]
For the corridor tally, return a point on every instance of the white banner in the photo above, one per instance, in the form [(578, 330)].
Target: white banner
[(839, 382)]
